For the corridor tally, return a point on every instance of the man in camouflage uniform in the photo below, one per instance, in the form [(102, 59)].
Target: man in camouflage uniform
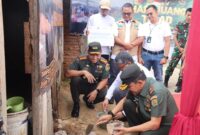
[(149, 106), (180, 38), (89, 76)]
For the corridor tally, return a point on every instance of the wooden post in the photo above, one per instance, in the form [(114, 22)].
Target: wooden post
[(41, 102), (3, 111)]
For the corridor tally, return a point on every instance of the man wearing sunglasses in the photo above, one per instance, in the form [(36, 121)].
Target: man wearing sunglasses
[(126, 38), (156, 36)]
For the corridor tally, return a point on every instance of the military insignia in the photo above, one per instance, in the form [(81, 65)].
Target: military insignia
[(123, 87), (107, 67), (104, 61), (95, 47), (82, 57), (154, 101), (99, 68), (120, 25), (151, 89)]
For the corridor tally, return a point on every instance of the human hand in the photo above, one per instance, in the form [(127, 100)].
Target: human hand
[(103, 119), (118, 115), (89, 76), (92, 96), (120, 131), (140, 60), (128, 46), (105, 104), (163, 61), (181, 49)]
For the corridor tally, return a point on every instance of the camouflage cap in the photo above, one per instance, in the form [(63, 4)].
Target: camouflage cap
[(129, 74), (94, 48)]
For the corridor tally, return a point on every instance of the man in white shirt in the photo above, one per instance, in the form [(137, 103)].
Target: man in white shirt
[(123, 59), (156, 36), (103, 20)]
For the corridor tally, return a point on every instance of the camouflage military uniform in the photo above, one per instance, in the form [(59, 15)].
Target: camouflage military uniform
[(182, 33), (153, 101), (80, 85)]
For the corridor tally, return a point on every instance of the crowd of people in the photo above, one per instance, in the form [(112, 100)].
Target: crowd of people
[(122, 72)]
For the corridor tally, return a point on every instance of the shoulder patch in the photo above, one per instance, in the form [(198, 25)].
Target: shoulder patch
[(154, 101), (120, 21), (82, 57), (107, 67), (104, 61)]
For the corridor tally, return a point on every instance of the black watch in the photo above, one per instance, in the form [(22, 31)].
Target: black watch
[(111, 113), (98, 90), (166, 57)]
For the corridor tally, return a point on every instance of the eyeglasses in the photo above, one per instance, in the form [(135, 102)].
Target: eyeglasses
[(149, 14), (128, 14)]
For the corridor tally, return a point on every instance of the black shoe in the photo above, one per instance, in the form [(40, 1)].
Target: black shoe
[(178, 89), (75, 110), (88, 104)]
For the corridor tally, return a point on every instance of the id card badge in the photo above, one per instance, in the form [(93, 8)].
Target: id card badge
[(149, 39)]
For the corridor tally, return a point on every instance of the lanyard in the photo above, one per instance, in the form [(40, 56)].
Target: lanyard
[(151, 29)]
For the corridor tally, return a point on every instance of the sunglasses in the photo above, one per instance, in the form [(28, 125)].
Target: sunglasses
[(128, 14), (149, 14)]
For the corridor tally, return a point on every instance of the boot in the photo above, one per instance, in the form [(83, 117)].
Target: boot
[(178, 89), (75, 110), (166, 80)]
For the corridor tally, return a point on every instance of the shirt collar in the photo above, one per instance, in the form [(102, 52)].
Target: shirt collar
[(146, 87)]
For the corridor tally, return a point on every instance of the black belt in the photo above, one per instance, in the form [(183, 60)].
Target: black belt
[(153, 52)]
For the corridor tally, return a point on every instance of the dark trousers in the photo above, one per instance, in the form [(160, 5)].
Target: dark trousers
[(114, 70), (78, 86), (134, 118)]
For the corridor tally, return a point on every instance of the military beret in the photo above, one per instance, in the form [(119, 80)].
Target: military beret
[(94, 48)]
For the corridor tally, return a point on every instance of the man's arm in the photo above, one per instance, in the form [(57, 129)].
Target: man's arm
[(177, 43), (166, 50), (92, 95), (119, 42), (102, 84), (153, 124), (119, 106), (74, 73), (138, 41), (167, 45), (107, 118)]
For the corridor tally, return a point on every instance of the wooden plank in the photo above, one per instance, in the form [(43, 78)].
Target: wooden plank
[(3, 111), (27, 48), (41, 102)]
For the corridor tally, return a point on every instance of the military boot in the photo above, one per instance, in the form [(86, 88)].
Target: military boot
[(166, 80), (75, 110), (178, 89)]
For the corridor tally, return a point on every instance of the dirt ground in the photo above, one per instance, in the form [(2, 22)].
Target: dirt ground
[(77, 126)]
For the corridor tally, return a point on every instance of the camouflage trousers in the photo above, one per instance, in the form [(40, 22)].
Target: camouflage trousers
[(176, 56)]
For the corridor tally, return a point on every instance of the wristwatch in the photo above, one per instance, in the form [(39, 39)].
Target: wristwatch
[(111, 113), (166, 57), (98, 90)]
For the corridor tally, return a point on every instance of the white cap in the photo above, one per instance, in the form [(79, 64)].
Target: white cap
[(105, 4)]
